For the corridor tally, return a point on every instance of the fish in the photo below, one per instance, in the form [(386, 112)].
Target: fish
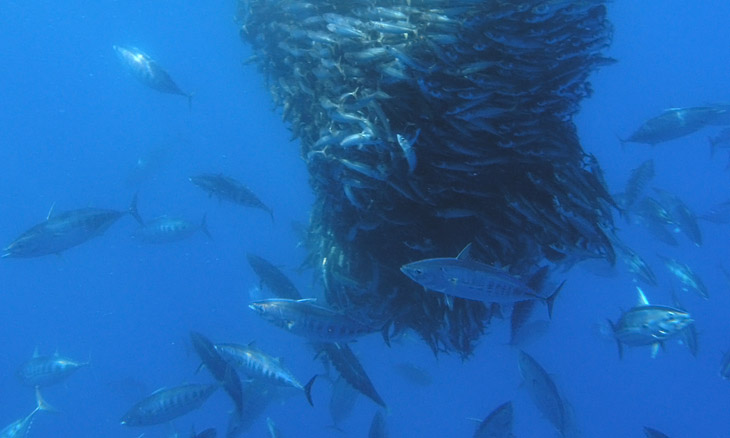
[(66, 230), (725, 366), (521, 312), (167, 229), (718, 214), (543, 391), (690, 281), (637, 183), (271, 427), (305, 318), (207, 433), (682, 215), (674, 123), (228, 189), (272, 277), (44, 371), (378, 427), (653, 433), (221, 370), (689, 334), (149, 72), (636, 265), (342, 401), (647, 324), (498, 424), (722, 139), (166, 404), (413, 374), (350, 368), (467, 278), (20, 427), (259, 365)]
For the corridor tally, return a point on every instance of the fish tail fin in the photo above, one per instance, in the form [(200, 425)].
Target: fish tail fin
[(204, 227), (385, 331), (41, 403), (190, 100), (550, 301), (308, 389), (271, 213), (622, 141), (618, 342), (133, 209)]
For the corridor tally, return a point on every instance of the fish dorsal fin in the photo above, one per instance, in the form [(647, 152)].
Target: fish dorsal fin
[(307, 300), (35, 352), (464, 254), (50, 211), (642, 300), (156, 391)]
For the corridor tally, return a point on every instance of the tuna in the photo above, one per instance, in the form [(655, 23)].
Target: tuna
[(259, 365), (19, 428), (149, 72), (166, 404), (675, 123), (224, 373), (350, 368), (498, 423), (543, 392), (378, 426), (647, 324), (467, 278), (273, 278), (167, 229), (307, 319), (43, 371), (228, 189), (65, 230)]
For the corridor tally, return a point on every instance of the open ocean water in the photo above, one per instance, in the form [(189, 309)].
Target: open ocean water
[(74, 124)]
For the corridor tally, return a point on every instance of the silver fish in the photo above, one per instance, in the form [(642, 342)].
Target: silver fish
[(166, 229), (647, 324), (498, 424), (149, 72), (19, 428), (675, 123), (259, 365), (465, 277), (166, 404), (543, 392), (42, 371), (228, 189), (314, 322), (65, 230)]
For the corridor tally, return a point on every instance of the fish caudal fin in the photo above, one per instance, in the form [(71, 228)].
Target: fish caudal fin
[(133, 210), (308, 389), (618, 342), (41, 403), (550, 301), (204, 227)]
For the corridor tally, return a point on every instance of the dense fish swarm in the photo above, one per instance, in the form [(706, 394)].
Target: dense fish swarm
[(430, 124)]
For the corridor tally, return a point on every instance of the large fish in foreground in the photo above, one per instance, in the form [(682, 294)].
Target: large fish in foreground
[(228, 189), (307, 319), (166, 404), (465, 277), (65, 230), (149, 72), (647, 324)]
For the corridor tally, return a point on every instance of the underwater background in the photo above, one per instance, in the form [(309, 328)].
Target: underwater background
[(74, 127)]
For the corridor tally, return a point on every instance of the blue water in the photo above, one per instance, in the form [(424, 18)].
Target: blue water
[(73, 124)]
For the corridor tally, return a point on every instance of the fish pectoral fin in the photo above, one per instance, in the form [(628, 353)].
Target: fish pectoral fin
[(655, 349), (464, 254)]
